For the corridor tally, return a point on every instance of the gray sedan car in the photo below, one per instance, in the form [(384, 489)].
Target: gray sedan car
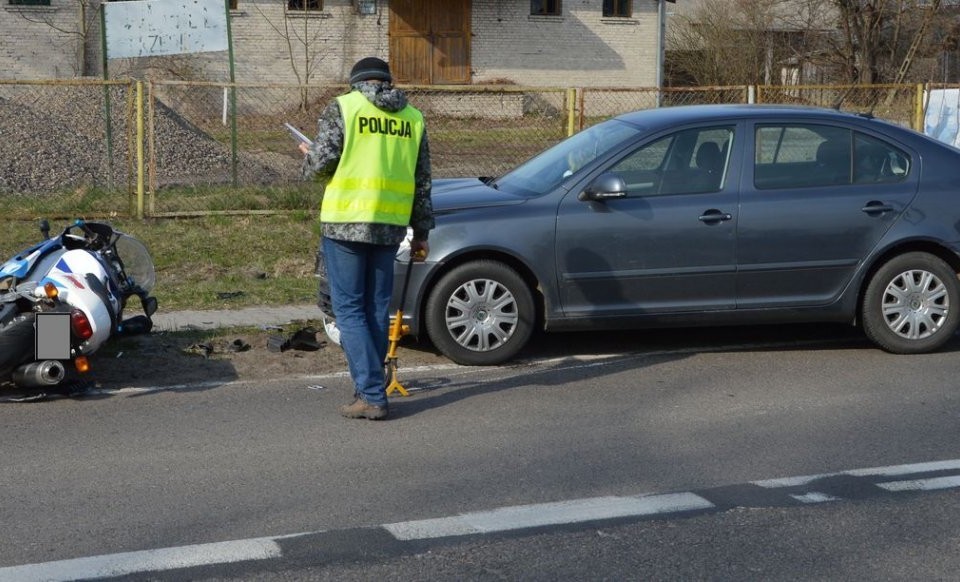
[(694, 216)]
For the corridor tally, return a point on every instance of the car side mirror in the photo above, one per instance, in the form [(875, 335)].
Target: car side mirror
[(604, 187)]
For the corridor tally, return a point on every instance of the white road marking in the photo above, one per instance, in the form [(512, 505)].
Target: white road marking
[(481, 522), (906, 469), (542, 514), (922, 484), (815, 497), (888, 471), (145, 561)]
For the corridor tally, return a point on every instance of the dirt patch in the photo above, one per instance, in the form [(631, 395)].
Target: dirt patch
[(176, 358)]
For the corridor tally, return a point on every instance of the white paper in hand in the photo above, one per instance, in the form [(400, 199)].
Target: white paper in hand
[(297, 134)]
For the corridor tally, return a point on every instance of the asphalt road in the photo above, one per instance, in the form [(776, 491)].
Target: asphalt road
[(129, 472)]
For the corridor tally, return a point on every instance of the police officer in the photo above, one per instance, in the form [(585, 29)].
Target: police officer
[(372, 153)]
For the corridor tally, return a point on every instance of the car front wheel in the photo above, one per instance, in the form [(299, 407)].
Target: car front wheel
[(912, 304), (480, 313)]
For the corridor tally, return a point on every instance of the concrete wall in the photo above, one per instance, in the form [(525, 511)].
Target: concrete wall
[(33, 44), (334, 40), (577, 48)]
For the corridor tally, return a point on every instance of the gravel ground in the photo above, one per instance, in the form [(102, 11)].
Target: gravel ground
[(56, 141)]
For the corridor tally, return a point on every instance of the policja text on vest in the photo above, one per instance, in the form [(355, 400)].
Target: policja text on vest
[(385, 126)]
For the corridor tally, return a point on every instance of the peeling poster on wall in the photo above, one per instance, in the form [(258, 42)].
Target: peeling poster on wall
[(941, 118), (148, 28)]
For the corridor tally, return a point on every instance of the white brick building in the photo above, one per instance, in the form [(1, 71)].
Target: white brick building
[(33, 41), (550, 43)]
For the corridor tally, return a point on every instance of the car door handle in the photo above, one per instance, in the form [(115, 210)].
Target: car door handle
[(876, 207), (714, 215)]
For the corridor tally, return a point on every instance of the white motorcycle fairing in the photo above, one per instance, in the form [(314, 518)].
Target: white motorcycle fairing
[(83, 282), (63, 298)]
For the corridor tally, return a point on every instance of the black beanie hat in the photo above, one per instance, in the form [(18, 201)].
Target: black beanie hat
[(370, 68)]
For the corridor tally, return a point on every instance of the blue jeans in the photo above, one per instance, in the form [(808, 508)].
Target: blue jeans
[(360, 276)]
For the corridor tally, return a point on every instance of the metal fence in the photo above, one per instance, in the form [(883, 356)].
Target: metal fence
[(65, 138), (166, 148), (902, 104), (249, 161)]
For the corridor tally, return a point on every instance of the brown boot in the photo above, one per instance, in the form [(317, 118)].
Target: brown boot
[(360, 409)]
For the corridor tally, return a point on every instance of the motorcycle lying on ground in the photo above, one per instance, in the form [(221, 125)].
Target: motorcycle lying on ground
[(64, 297)]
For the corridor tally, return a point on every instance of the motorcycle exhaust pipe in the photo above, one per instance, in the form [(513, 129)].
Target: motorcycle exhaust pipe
[(36, 374)]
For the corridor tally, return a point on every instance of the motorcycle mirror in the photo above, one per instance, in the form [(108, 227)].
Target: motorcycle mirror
[(45, 228), (149, 305)]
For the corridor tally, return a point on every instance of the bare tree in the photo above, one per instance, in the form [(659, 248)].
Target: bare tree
[(733, 42), (303, 43), (881, 41), (797, 41), (709, 46), (870, 34)]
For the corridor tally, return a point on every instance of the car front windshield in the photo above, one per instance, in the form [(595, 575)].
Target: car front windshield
[(548, 169)]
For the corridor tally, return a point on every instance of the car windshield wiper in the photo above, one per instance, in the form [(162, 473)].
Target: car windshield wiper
[(490, 181)]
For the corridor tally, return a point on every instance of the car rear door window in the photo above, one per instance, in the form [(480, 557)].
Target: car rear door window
[(797, 156), (801, 156), (877, 162)]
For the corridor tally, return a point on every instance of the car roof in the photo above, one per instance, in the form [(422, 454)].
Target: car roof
[(668, 116)]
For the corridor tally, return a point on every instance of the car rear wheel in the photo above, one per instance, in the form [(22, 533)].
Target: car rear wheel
[(912, 304), (480, 313)]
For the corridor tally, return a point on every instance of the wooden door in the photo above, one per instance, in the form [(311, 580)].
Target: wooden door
[(430, 41)]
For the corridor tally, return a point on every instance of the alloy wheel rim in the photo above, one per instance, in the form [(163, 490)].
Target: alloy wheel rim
[(915, 304), (481, 315)]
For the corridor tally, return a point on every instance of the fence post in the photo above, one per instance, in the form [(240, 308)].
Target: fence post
[(583, 108), (151, 149), (918, 109), (571, 110), (107, 115), (140, 137)]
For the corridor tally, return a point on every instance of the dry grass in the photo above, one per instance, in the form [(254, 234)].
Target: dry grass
[(214, 262)]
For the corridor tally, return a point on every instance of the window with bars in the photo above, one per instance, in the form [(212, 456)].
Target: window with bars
[(618, 8), (304, 5), (545, 7)]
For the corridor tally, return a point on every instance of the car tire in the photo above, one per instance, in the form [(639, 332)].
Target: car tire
[(480, 313), (912, 304)]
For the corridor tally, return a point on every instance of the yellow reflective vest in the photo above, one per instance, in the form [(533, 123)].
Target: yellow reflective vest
[(374, 181)]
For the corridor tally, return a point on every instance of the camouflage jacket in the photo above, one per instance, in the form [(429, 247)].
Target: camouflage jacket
[(321, 161)]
